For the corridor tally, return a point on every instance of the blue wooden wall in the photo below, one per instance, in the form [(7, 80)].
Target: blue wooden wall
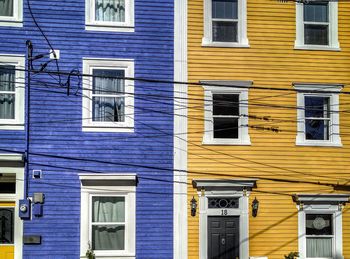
[(56, 128)]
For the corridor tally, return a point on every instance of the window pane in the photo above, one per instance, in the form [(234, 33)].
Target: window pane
[(319, 224), (225, 128), (110, 10), (317, 129), (318, 247), (6, 8), (225, 9), (316, 107), (226, 104), (108, 237), (108, 109), (224, 31), (316, 34), (104, 83), (316, 12), (108, 209), (7, 106), (7, 77), (6, 225)]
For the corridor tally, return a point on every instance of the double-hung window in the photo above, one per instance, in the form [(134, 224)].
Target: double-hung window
[(319, 235), (11, 92), (108, 101), (225, 23), (317, 25), (108, 215), (318, 115), (11, 13), (107, 227), (320, 225), (226, 113), (110, 15)]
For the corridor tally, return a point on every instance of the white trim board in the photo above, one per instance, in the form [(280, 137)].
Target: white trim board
[(180, 131)]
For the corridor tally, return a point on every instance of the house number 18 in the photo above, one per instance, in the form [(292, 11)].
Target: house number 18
[(223, 212)]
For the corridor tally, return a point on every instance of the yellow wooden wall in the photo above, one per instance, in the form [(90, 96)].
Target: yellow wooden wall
[(271, 61)]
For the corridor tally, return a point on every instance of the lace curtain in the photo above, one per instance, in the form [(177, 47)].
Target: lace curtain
[(108, 108), (105, 234), (110, 10), (6, 7), (7, 92)]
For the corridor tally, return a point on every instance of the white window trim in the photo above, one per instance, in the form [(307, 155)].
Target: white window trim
[(18, 122), (242, 212), (95, 126), (93, 25), (130, 212), (334, 138), (333, 29), (17, 19), (208, 137), (19, 174), (242, 39), (321, 204)]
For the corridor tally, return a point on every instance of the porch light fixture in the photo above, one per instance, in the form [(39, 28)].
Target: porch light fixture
[(193, 206), (255, 207)]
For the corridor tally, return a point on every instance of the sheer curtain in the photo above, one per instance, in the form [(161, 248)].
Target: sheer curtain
[(110, 10), (319, 247), (108, 108), (108, 210), (7, 100), (6, 7)]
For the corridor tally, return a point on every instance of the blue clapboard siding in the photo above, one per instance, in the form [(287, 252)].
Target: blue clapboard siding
[(57, 127)]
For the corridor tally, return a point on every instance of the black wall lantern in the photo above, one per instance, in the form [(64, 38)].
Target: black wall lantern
[(193, 207), (255, 207)]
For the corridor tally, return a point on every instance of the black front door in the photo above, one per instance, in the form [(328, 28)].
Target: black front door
[(223, 237)]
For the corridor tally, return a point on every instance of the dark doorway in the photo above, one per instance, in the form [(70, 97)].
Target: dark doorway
[(223, 237)]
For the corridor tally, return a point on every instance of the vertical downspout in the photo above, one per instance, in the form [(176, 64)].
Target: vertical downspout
[(27, 120)]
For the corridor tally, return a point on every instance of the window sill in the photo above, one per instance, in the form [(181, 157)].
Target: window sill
[(226, 142), (316, 47), (224, 45), (12, 127), (109, 28), (11, 23), (318, 144), (107, 129)]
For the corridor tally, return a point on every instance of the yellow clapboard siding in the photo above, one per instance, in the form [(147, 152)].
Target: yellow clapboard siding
[(271, 61)]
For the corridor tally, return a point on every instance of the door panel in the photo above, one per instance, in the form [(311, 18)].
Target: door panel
[(223, 237), (7, 230)]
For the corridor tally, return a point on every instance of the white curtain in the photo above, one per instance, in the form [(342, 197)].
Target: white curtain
[(108, 209), (7, 100), (319, 247), (6, 7), (110, 10), (108, 108)]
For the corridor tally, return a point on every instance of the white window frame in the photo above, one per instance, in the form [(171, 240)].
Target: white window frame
[(103, 126), (18, 122), (243, 134), (330, 91), (242, 39), (322, 204), (17, 19), (91, 24), (96, 189), (333, 43)]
